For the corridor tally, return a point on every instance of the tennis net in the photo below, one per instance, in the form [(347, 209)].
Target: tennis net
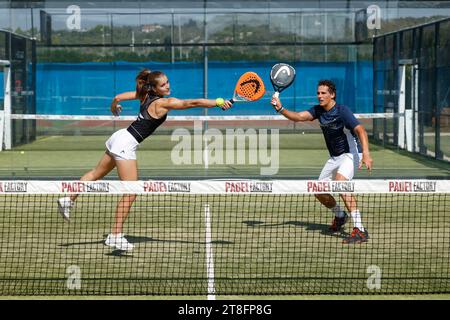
[(197, 147), (224, 237), (60, 132)]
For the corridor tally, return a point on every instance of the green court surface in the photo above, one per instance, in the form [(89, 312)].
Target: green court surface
[(261, 245), (266, 247), (299, 156)]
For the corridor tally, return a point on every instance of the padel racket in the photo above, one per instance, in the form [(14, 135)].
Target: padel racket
[(282, 76), (249, 87)]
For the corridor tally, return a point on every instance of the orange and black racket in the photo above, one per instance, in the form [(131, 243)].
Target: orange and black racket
[(249, 87)]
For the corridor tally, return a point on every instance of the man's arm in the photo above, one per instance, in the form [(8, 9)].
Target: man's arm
[(293, 116), (362, 135)]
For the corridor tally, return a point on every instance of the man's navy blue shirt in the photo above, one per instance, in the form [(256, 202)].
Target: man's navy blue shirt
[(337, 125)]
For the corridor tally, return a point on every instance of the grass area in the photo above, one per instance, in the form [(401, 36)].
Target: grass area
[(300, 156), (262, 244)]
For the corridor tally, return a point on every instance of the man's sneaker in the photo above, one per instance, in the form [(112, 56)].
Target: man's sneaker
[(64, 206), (119, 242), (338, 223), (357, 236)]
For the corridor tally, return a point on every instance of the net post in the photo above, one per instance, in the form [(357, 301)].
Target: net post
[(2, 118), (5, 119)]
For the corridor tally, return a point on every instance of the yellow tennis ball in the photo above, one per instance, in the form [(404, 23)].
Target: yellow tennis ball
[(220, 102)]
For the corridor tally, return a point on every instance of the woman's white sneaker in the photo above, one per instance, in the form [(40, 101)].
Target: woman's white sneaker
[(119, 242)]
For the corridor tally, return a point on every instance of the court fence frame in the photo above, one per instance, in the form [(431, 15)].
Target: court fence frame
[(412, 76), (18, 60)]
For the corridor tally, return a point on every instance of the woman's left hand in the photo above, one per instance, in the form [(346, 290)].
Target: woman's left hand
[(116, 109)]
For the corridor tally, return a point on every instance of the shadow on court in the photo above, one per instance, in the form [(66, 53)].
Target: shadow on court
[(85, 243), (119, 253), (134, 239), (114, 252), (140, 239), (309, 226)]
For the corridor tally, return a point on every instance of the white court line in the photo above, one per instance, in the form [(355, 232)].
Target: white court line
[(209, 255)]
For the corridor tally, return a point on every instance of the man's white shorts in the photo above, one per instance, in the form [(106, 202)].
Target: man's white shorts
[(346, 164), (122, 145)]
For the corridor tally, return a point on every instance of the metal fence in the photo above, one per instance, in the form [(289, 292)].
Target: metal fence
[(18, 72), (412, 77)]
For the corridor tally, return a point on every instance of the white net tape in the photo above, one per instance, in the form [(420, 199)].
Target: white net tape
[(225, 187)]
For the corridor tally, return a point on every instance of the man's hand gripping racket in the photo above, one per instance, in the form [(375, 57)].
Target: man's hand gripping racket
[(282, 76)]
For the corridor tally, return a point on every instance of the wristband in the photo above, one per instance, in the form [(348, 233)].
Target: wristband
[(281, 109)]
